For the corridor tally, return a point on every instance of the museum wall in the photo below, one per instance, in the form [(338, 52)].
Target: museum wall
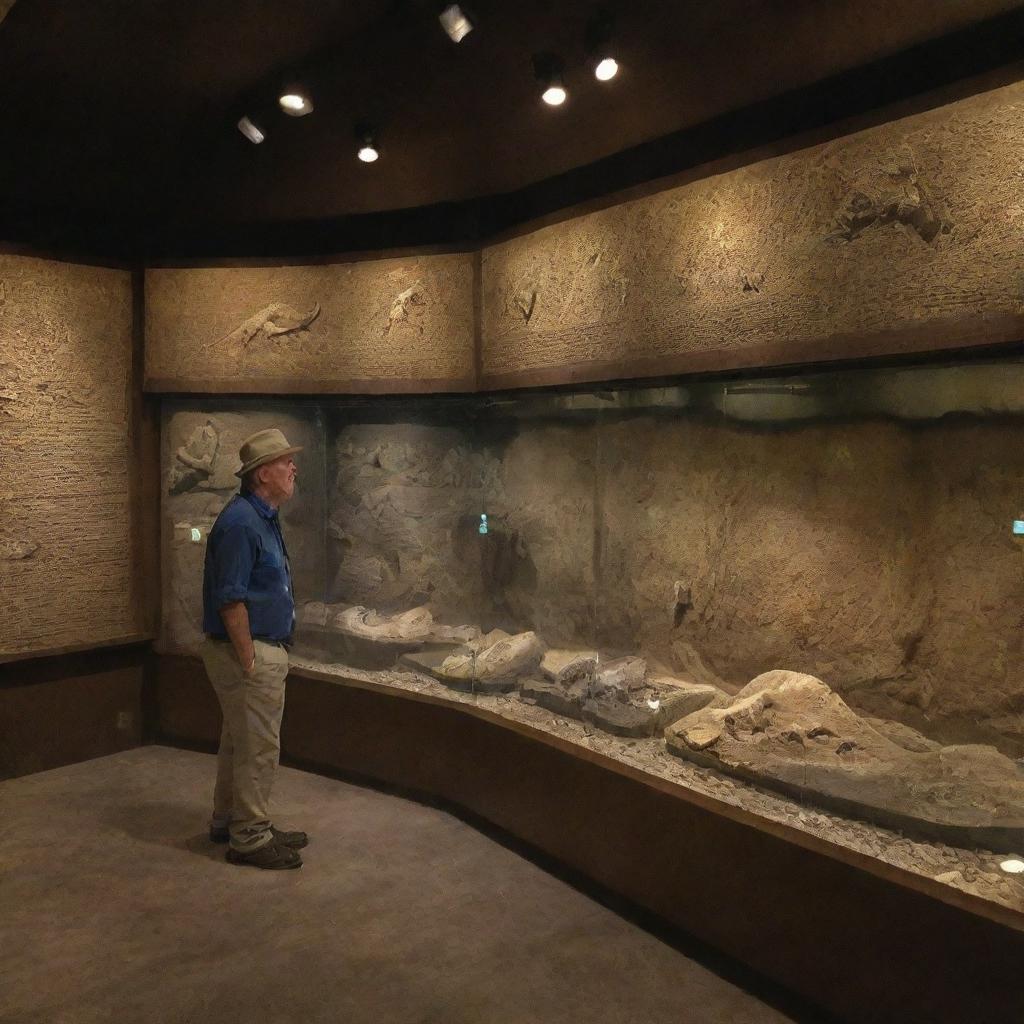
[(900, 237), (70, 568), (377, 325)]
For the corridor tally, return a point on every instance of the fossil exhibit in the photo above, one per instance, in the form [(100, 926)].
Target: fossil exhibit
[(803, 589), (792, 732)]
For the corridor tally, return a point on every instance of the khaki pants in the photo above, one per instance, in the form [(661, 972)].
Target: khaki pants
[(250, 739)]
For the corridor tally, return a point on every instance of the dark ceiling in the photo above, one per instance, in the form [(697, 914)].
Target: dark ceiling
[(118, 116)]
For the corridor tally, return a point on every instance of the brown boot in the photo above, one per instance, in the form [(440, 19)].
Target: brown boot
[(293, 840), (272, 857)]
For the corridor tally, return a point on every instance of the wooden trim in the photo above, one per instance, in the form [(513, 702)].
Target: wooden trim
[(908, 879), (61, 256), (932, 337), (144, 471), (308, 386), (8, 657)]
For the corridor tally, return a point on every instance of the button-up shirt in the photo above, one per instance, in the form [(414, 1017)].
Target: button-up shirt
[(246, 560)]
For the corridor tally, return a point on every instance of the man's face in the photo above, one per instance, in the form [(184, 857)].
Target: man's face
[(278, 478)]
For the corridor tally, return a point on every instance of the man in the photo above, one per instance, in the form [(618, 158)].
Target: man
[(248, 618)]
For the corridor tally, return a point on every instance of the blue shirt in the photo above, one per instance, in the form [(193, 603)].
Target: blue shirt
[(246, 560)]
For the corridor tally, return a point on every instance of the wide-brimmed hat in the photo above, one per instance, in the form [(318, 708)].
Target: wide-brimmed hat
[(262, 447)]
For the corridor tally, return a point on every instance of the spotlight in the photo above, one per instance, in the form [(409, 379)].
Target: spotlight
[(251, 130), (1013, 866), (456, 22), (549, 68), (598, 43), (368, 150), (554, 95), (295, 102)]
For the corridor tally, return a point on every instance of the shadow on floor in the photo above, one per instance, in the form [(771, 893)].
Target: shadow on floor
[(163, 823)]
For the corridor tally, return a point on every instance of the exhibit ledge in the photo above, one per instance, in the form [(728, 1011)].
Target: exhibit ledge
[(466, 704), (128, 640)]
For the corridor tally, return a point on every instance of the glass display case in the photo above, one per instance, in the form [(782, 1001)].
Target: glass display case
[(800, 595)]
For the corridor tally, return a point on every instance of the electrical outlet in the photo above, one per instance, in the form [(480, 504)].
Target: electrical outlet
[(124, 720)]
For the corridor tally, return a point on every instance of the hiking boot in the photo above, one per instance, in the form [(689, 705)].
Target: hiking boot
[(293, 840), (271, 857)]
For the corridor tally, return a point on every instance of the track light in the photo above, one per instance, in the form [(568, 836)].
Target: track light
[(456, 22), (295, 101), (367, 139), (251, 130), (554, 95), (598, 43), (549, 69)]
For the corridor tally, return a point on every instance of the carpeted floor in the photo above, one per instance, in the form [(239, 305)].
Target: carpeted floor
[(114, 907)]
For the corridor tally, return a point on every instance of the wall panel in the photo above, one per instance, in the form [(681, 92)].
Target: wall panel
[(67, 577), (902, 237), (384, 325)]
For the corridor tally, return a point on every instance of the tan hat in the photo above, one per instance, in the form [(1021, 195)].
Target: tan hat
[(262, 447)]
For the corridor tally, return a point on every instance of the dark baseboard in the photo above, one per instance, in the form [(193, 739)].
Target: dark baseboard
[(64, 708)]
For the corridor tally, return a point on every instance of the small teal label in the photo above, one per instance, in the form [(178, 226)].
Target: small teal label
[(1018, 526), (483, 523)]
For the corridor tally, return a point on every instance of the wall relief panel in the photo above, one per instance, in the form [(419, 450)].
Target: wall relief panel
[(373, 326), (902, 237), (66, 572)]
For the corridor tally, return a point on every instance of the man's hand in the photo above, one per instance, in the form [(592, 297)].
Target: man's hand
[(235, 617)]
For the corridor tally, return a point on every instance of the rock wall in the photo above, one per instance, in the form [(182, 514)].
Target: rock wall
[(378, 325), (66, 569), (405, 500), (903, 236), (873, 554)]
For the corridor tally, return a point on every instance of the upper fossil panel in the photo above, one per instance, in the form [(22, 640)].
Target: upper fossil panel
[(379, 325)]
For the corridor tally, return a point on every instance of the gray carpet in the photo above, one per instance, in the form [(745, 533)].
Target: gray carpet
[(115, 907)]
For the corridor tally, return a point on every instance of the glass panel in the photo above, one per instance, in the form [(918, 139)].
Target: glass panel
[(798, 594), (539, 551), (400, 497)]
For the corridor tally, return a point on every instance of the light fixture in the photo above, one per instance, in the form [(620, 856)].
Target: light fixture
[(554, 95), (456, 22), (549, 68), (1013, 866), (295, 101), (367, 139), (251, 130), (598, 43)]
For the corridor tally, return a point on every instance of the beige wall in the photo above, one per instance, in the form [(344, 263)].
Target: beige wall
[(398, 324), (66, 568), (903, 236)]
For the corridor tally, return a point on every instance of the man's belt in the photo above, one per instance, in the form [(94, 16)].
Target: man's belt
[(286, 644)]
